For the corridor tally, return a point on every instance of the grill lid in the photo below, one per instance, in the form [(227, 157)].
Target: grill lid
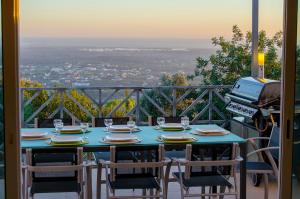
[(257, 91)]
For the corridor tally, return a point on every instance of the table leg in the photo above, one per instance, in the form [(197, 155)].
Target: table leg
[(89, 182), (243, 172)]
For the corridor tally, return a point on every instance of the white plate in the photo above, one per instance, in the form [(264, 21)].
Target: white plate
[(171, 125), (71, 128), (34, 134), (177, 136), (212, 131), (65, 139), (121, 127), (120, 142), (120, 137)]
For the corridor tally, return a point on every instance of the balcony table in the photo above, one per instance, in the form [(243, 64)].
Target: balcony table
[(149, 138)]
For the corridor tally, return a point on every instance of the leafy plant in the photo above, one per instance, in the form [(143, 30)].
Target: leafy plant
[(232, 60)]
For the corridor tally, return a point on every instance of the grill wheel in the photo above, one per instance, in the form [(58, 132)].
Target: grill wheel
[(255, 179)]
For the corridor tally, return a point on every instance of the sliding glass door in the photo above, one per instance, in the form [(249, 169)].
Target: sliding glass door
[(295, 175), (289, 185), (2, 161)]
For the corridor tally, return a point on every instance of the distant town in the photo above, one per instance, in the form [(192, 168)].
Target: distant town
[(83, 66)]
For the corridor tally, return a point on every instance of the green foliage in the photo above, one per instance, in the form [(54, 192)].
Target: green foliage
[(232, 60), (121, 112), (177, 79), (54, 103), (69, 104)]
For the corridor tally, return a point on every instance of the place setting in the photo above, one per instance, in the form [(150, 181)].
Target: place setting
[(182, 126), (63, 135), (67, 141), (35, 135), (60, 128), (131, 127), (120, 139), (218, 131), (176, 138)]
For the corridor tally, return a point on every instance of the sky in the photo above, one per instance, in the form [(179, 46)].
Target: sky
[(192, 19)]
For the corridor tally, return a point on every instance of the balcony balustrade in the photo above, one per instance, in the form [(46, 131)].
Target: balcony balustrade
[(203, 104)]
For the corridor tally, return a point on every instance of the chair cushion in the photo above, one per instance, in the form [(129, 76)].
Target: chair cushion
[(55, 186), (134, 181), (258, 166), (201, 181)]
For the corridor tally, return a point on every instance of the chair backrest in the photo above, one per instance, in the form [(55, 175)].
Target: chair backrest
[(153, 120), (48, 123), (274, 141), (99, 122), (222, 152), (61, 164), (147, 160)]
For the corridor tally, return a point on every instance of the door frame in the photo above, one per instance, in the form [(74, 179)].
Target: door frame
[(288, 97), (10, 53)]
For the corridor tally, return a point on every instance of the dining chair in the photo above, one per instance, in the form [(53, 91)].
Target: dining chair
[(105, 155), (153, 120), (99, 122), (170, 152), (44, 175), (265, 166), (150, 174), (48, 123), (207, 174)]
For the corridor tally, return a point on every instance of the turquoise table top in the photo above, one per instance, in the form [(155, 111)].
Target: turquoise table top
[(148, 135)]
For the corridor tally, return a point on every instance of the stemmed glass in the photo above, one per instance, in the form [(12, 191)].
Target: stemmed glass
[(160, 121), (58, 125), (131, 125), (108, 123), (185, 121), (84, 127)]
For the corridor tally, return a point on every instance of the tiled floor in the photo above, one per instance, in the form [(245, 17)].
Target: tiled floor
[(174, 193)]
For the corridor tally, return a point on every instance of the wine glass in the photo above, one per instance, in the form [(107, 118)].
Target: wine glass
[(84, 127), (160, 121), (185, 121), (55, 122), (59, 126), (131, 125), (108, 123)]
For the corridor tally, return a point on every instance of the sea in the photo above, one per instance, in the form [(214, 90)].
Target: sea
[(92, 62)]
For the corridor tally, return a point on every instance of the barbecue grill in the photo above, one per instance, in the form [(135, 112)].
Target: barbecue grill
[(250, 96), (253, 103)]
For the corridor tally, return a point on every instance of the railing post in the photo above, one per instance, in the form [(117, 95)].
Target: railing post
[(137, 110), (174, 102), (100, 103), (210, 102), (22, 109), (61, 102)]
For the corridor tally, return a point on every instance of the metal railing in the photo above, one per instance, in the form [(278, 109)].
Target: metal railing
[(203, 104)]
